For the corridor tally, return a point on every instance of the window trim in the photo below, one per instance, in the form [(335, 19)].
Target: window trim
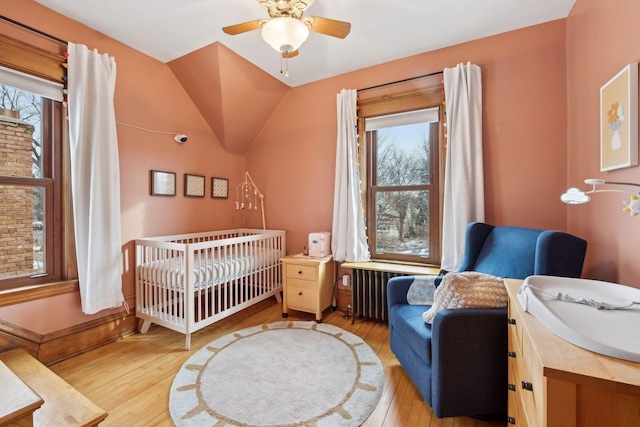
[(393, 101), (44, 59)]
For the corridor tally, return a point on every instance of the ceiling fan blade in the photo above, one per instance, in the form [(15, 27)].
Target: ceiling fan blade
[(244, 27), (329, 27), (290, 54)]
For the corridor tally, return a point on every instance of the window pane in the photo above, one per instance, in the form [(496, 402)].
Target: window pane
[(22, 248), (403, 155), (20, 135), (402, 222)]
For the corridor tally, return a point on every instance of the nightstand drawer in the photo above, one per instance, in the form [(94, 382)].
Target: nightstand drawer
[(304, 272), (302, 297)]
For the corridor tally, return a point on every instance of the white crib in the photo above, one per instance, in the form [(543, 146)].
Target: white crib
[(186, 282)]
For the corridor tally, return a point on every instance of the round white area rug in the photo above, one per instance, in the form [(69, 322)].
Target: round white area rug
[(279, 374)]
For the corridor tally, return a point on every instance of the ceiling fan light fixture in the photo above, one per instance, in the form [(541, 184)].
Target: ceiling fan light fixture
[(285, 34)]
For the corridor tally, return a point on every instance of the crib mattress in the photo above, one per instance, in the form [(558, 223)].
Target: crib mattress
[(210, 269)]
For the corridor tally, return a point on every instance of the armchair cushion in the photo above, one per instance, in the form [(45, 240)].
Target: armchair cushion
[(407, 319)]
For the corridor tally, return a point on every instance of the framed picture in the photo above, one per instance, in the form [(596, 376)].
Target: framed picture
[(219, 188), (193, 185), (163, 183), (619, 120)]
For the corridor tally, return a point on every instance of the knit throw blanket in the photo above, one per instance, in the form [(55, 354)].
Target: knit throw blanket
[(467, 289)]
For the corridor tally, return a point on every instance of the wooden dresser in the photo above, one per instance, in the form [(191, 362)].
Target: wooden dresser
[(308, 284), (557, 384)]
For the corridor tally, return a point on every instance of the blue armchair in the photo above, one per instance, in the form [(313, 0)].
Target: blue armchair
[(459, 362)]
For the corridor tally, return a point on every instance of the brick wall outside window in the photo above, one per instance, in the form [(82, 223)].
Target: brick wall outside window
[(16, 202)]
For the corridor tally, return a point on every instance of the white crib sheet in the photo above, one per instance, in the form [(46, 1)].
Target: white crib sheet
[(210, 270)]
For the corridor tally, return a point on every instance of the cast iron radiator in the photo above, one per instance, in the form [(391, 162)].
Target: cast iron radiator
[(369, 294)]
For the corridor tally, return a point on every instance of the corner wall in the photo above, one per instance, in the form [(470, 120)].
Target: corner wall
[(602, 37)]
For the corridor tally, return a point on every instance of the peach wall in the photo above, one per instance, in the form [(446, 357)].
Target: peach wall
[(526, 110), (147, 95), (602, 37), (524, 133)]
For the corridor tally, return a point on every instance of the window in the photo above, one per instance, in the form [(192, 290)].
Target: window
[(31, 172), (29, 187), (403, 139)]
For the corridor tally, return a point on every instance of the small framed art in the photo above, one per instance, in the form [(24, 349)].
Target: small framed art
[(163, 183), (619, 120), (219, 188), (193, 185)]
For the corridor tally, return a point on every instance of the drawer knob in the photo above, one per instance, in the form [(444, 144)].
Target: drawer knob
[(526, 385), (511, 354), (511, 387), (299, 272), (511, 420), (300, 293), (511, 321)]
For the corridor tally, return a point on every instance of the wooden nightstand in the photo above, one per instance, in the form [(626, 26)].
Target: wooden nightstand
[(308, 284)]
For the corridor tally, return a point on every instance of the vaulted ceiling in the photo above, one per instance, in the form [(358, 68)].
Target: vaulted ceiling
[(235, 97)]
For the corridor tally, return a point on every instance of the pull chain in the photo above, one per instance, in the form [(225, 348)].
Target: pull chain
[(284, 70)]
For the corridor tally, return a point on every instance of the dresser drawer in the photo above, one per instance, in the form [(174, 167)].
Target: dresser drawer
[(299, 271), (531, 383), (515, 328), (515, 411)]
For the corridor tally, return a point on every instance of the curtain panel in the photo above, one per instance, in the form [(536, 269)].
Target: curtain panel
[(95, 177), (349, 237), (464, 175)]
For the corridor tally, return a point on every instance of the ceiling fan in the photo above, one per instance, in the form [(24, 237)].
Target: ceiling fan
[(288, 29)]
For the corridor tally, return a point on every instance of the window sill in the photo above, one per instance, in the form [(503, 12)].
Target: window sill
[(393, 267), (31, 293)]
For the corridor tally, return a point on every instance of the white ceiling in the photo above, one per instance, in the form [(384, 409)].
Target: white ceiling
[(381, 30)]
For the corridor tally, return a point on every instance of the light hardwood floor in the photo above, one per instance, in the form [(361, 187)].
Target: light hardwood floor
[(131, 378)]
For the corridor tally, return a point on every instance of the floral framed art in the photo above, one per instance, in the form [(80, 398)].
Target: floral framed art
[(162, 183), (219, 188), (193, 185), (619, 120)]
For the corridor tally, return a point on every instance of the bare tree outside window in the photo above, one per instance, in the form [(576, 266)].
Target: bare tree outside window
[(29, 106), (400, 191)]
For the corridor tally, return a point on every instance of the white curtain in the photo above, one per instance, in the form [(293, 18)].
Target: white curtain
[(464, 179), (95, 177), (349, 237)]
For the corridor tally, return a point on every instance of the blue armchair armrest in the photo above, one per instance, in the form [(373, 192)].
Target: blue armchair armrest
[(469, 346)]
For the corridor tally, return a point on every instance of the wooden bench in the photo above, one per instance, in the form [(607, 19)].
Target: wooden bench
[(63, 404), (17, 400)]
